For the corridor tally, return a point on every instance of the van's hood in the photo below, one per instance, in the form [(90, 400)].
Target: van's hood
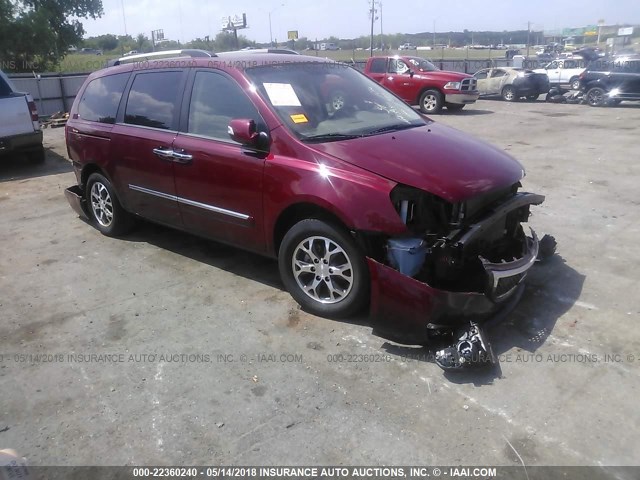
[(435, 158)]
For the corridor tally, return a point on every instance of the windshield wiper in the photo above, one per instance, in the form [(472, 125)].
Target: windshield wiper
[(328, 137), (391, 128)]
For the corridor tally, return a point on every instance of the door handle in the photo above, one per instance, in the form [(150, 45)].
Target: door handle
[(182, 158), (164, 154)]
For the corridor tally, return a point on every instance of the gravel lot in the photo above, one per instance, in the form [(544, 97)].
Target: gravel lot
[(223, 393)]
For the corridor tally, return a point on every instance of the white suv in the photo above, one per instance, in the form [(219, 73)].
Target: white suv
[(564, 72)]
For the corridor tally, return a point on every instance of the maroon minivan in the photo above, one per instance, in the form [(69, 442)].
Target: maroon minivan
[(365, 203)]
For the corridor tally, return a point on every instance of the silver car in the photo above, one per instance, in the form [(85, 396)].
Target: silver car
[(511, 83)]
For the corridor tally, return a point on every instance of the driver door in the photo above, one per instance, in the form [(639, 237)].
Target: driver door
[(482, 77), (496, 80), (400, 81), (554, 72), (219, 182)]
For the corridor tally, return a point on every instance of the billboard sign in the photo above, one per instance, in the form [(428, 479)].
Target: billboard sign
[(233, 22), (625, 31), (573, 32), (591, 30), (292, 34)]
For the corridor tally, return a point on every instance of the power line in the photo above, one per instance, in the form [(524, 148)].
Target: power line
[(124, 18)]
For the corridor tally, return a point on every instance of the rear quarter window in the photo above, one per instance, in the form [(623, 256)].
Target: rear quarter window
[(100, 100), (378, 65), (153, 100), (5, 90)]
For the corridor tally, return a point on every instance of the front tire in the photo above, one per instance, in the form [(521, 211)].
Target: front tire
[(430, 101), (574, 83), (455, 107), (104, 208), (509, 94), (323, 269), (596, 97)]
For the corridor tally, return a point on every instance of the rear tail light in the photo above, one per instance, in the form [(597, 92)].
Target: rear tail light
[(34, 111)]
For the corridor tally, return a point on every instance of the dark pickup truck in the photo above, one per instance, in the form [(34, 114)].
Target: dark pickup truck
[(419, 82), (609, 82)]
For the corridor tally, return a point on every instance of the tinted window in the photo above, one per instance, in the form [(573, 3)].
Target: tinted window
[(397, 66), (100, 100), (5, 91), (378, 65), (152, 99), (481, 75), (626, 66), (215, 101)]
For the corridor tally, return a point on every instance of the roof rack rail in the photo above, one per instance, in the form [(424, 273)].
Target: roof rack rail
[(188, 52), (285, 51)]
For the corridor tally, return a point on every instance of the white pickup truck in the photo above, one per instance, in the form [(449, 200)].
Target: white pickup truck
[(19, 123)]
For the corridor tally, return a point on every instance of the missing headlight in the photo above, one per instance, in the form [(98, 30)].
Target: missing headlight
[(422, 212)]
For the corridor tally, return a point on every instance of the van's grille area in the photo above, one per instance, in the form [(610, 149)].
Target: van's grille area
[(469, 85)]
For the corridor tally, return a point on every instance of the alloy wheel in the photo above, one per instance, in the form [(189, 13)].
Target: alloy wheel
[(322, 269), (430, 102), (101, 204)]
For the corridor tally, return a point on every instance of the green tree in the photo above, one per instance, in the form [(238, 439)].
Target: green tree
[(143, 44), (107, 42), (36, 34)]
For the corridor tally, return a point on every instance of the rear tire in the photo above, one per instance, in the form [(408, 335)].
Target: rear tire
[(430, 101), (509, 94), (323, 269), (37, 156), (103, 206), (596, 97)]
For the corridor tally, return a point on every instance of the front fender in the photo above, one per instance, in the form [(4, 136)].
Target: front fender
[(358, 198)]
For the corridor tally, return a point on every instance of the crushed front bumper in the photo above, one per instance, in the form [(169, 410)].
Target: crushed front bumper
[(406, 310)]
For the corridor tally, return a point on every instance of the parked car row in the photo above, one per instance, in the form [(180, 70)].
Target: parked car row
[(418, 82)]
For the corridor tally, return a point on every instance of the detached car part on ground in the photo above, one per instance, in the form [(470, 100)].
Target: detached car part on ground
[(370, 204), (511, 83)]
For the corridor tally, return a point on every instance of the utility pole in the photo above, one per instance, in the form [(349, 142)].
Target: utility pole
[(124, 18), (528, 35), (434, 34), (381, 38), (372, 12)]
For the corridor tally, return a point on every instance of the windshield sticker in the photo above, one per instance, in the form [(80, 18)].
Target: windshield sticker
[(299, 118), (282, 95)]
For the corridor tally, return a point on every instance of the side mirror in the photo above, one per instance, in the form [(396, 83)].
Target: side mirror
[(411, 73), (245, 132)]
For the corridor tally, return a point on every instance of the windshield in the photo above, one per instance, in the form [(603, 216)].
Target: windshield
[(423, 65), (330, 101)]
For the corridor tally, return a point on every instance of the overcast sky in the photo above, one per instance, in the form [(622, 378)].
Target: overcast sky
[(185, 20)]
